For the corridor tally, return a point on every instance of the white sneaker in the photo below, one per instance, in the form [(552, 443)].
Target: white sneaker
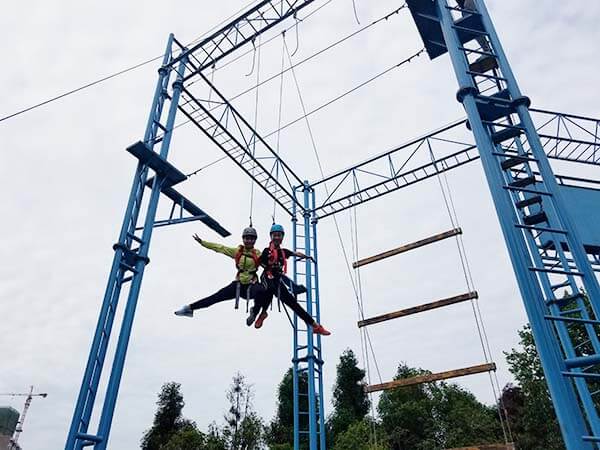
[(185, 311)]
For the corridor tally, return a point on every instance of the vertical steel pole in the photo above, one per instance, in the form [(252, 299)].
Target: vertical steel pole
[(563, 394), (321, 405), (296, 355), (91, 378), (123, 342), (312, 407)]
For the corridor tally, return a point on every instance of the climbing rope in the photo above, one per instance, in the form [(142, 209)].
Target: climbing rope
[(481, 330), (342, 245), (362, 331), (256, 98), (279, 117)]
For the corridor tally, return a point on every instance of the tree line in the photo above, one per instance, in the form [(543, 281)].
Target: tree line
[(431, 416)]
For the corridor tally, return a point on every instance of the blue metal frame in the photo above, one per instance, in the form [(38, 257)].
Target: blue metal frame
[(537, 251), (530, 207), (128, 267), (308, 351)]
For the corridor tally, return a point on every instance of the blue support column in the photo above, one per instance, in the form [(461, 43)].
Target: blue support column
[(549, 260), (307, 348), (130, 259)]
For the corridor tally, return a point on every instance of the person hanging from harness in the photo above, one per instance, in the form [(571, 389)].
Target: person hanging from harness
[(274, 260), (245, 285)]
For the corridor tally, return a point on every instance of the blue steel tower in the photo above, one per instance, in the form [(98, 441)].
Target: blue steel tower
[(549, 258), (549, 246)]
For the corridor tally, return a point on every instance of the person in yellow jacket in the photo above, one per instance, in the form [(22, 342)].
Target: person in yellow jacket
[(245, 285)]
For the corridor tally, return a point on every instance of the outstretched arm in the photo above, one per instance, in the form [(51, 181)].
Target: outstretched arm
[(302, 256), (219, 248)]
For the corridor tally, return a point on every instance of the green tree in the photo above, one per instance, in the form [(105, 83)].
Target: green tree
[(244, 428), (167, 419), (358, 436), (434, 416), (350, 401), (530, 412), (188, 438), (280, 432)]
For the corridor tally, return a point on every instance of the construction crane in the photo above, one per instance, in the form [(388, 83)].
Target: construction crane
[(19, 428)]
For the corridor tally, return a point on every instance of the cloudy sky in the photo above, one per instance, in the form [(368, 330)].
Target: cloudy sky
[(66, 177)]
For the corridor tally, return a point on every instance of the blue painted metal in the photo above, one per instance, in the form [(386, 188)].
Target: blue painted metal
[(307, 347), (518, 170), (128, 267), (565, 137), (582, 206)]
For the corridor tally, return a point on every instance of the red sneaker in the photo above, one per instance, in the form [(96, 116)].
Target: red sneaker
[(261, 319), (320, 329)]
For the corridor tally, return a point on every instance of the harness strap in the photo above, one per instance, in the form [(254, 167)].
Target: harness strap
[(237, 295)]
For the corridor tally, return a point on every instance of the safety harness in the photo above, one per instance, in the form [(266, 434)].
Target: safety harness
[(239, 265)]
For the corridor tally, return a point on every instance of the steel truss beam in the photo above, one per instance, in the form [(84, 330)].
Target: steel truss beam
[(564, 137), (240, 31), (216, 117)]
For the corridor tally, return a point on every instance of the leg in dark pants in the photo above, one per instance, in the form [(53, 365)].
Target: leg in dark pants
[(227, 293), (275, 287)]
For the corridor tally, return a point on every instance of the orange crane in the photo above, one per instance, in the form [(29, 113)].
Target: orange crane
[(19, 428)]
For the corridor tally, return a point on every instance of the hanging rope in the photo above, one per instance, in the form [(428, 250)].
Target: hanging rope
[(253, 58), (342, 245), (481, 331), (362, 331), (279, 116), (255, 127), (297, 33), (355, 13)]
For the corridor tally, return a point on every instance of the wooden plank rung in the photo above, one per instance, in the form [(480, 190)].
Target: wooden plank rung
[(432, 377), (407, 247), (418, 309)]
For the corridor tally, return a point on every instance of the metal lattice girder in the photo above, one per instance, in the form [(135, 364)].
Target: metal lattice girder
[(238, 32), (569, 137), (565, 137), (227, 128)]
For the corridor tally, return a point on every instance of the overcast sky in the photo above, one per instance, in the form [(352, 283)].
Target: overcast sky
[(66, 177)]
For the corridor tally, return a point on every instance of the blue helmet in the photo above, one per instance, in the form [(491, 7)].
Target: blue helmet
[(277, 228)]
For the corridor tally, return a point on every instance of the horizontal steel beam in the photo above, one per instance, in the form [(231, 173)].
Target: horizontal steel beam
[(431, 377), (565, 137)]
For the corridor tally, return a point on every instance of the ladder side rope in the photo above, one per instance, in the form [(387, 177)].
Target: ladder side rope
[(481, 331), (348, 266), (364, 350)]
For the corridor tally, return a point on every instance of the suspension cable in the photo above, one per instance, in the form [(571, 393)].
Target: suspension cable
[(279, 115), (316, 152), (255, 126), (305, 115), (120, 72)]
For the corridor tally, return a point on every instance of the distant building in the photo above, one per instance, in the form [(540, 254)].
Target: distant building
[(9, 417)]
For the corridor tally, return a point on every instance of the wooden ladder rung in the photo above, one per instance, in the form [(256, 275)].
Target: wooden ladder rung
[(421, 379), (407, 247), (419, 309)]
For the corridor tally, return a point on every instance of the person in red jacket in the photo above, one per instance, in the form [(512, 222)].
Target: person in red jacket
[(245, 285), (274, 260)]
